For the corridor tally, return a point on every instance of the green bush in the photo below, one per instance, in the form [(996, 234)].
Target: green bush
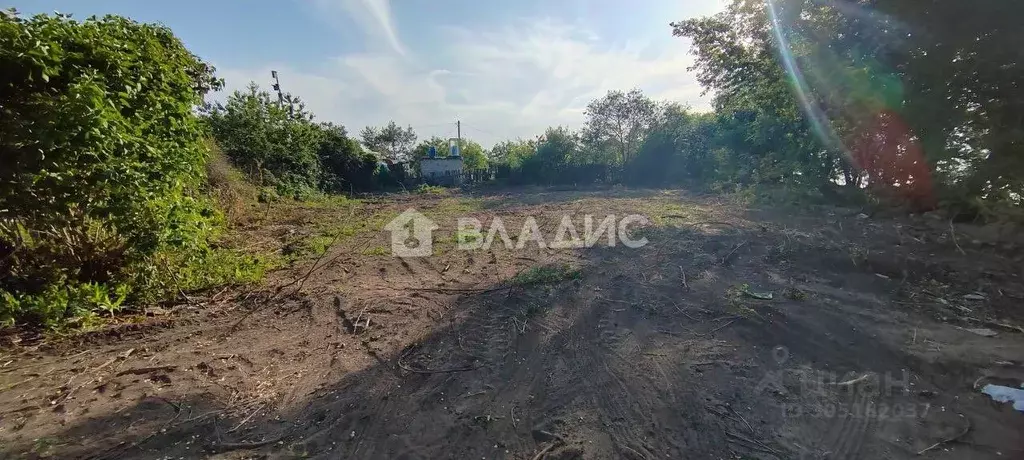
[(280, 146), (347, 167), (275, 144), (103, 162)]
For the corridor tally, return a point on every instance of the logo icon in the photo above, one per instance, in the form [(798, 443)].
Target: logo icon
[(411, 234)]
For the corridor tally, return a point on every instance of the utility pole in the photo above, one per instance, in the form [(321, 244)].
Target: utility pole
[(458, 131), (280, 95), (277, 87)]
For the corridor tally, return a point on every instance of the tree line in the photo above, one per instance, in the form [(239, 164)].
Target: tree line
[(281, 146), (909, 103)]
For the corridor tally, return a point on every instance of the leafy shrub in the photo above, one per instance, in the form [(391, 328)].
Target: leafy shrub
[(273, 143), (279, 145), (103, 161), (347, 167)]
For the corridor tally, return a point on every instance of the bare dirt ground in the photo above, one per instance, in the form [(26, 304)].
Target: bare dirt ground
[(673, 350)]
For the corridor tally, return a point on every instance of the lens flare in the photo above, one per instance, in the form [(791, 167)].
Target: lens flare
[(851, 100)]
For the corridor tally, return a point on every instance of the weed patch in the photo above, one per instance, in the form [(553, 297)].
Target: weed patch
[(377, 251), (427, 189), (547, 274)]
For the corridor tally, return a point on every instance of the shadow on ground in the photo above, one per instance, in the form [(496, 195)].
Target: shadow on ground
[(669, 351)]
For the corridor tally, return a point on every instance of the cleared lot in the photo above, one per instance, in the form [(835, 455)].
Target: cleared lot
[(737, 332)]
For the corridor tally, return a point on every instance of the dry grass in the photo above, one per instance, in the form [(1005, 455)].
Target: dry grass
[(228, 186)]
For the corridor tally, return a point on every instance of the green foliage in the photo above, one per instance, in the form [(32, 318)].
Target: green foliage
[(392, 141), (422, 149), (914, 102), (560, 156), (467, 235), (763, 136), (104, 162), (678, 150), (427, 189), (275, 144), (619, 122), (512, 154), (279, 145), (346, 165), (378, 251), (473, 157)]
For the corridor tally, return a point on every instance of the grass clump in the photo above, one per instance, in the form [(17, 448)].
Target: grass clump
[(377, 251), (465, 236), (426, 189), (547, 274)]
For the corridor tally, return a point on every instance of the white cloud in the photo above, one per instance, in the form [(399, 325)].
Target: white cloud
[(506, 82), (373, 17)]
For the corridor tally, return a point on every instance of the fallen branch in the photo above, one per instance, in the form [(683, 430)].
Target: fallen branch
[(558, 441), (1008, 327), (458, 290), (244, 445), (953, 233), (177, 285), (737, 414), (315, 263), (738, 246), (246, 419), (436, 371), (544, 451), (953, 439), (684, 312), (146, 370), (703, 222), (753, 442), (852, 381), (718, 328), (706, 363)]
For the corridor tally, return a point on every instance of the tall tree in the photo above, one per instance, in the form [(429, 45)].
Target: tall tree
[(473, 158), (620, 120), (392, 141), (557, 147), (885, 93), (346, 167), (274, 144), (422, 149), (512, 153)]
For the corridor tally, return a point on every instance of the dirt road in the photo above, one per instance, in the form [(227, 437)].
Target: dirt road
[(736, 332)]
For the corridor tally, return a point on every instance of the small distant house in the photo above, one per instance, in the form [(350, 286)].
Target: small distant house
[(442, 171)]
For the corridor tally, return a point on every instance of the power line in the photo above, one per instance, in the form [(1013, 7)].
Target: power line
[(484, 131), (431, 126)]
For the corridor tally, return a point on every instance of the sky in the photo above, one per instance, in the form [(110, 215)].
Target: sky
[(506, 69)]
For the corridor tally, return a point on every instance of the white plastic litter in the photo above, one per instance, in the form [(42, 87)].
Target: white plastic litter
[(1000, 393)]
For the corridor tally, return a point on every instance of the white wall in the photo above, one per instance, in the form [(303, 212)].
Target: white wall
[(440, 166)]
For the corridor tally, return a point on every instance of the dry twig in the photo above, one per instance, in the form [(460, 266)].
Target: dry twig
[(963, 433), (738, 246), (953, 233), (244, 445), (719, 328), (753, 442)]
